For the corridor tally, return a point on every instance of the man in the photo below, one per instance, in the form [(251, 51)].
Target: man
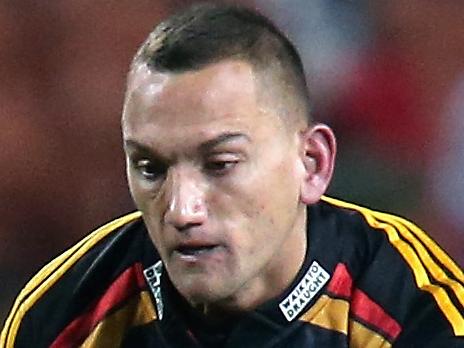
[(235, 244)]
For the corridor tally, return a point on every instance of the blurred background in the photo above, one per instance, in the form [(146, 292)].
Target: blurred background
[(388, 76)]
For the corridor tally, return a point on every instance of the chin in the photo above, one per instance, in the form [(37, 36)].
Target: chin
[(202, 292)]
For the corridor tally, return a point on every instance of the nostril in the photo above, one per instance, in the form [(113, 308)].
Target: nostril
[(184, 219), (186, 227), (185, 214)]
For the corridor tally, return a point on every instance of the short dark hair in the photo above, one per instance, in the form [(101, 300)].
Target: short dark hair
[(207, 33)]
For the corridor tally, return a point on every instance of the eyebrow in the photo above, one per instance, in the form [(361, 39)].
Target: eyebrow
[(128, 143), (206, 145), (223, 138)]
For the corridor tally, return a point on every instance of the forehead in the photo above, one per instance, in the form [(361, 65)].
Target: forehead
[(219, 98)]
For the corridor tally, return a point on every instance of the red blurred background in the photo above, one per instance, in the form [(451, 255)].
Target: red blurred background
[(387, 76)]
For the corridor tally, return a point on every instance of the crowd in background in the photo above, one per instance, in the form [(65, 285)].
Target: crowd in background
[(388, 76)]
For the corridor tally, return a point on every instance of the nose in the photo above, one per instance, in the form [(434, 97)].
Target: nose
[(185, 198)]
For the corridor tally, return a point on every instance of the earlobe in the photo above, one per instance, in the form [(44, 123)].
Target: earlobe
[(318, 149)]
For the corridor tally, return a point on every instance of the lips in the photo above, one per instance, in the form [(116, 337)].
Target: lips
[(193, 251)]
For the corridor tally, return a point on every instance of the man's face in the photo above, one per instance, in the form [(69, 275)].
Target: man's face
[(214, 172)]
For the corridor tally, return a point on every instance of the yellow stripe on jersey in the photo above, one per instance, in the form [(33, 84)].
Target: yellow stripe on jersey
[(333, 314), (361, 336), (50, 274), (434, 248), (435, 270), (422, 280), (110, 331), (415, 260), (329, 313)]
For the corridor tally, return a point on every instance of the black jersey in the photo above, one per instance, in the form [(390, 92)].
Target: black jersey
[(369, 279)]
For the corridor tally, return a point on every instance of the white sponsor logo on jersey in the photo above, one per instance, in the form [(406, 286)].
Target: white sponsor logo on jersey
[(153, 276), (313, 281)]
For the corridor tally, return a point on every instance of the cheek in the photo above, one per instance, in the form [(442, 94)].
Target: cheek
[(274, 199), (144, 195), (147, 200), (134, 189), (246, 216), (259, 195), (154, 230)]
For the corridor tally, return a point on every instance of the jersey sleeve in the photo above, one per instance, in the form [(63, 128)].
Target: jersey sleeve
[(39, 310), (427, 285), (435, 317), (412, 280)]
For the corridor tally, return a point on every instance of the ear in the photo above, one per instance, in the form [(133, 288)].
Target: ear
[(317, 152)]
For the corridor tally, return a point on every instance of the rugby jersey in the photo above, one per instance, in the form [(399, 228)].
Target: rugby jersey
[(369, 279)]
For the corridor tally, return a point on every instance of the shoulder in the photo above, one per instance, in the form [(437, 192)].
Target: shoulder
[(419, 251), (69, 280), (401, 271)]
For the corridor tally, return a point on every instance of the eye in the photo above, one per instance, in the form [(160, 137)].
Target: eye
[(147, 169), (222, 164)]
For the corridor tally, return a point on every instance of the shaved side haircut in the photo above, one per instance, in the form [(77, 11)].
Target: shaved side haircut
[(207, 33)]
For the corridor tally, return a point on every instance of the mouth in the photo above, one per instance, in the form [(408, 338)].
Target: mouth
[(197, 253), (197, 250)]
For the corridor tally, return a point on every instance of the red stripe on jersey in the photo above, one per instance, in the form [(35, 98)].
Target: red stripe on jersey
[(341, 283), (127, 284), (371, 313)]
